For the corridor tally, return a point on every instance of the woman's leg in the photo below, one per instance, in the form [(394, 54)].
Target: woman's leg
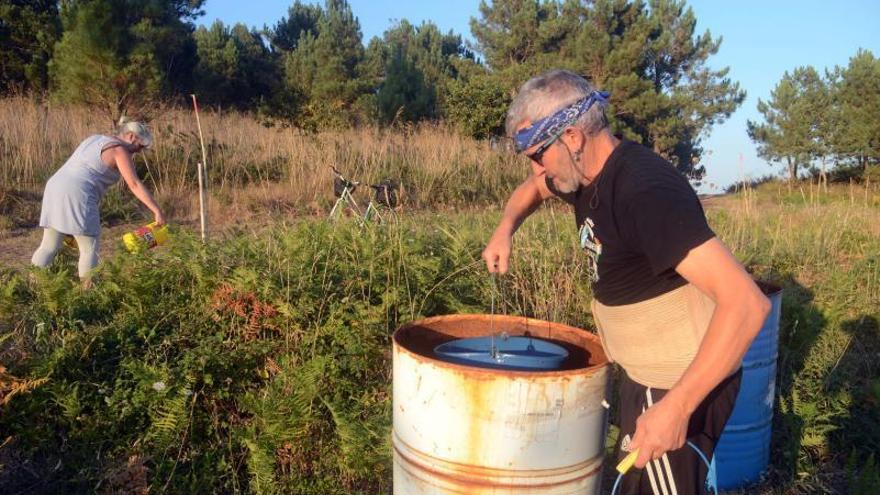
[(44, 254), (88, 254)]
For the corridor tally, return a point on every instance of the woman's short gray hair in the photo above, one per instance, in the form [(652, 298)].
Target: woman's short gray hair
[(139, 129), (546, 93)]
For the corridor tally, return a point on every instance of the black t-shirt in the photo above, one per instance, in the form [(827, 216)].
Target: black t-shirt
[(636, 222)]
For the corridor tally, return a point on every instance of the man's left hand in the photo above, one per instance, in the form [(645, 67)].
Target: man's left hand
[(661, 428)]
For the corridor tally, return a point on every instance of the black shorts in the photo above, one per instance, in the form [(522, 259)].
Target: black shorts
[(682, 471)]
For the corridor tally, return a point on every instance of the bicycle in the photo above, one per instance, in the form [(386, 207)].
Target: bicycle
[(385, 197)]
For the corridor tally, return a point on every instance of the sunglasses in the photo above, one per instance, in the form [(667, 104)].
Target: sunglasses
[(538, 154)]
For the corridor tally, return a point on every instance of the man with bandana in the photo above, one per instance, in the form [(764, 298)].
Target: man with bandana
[(672, 306)]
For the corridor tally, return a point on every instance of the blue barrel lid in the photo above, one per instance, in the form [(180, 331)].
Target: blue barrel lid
[(510, 353)]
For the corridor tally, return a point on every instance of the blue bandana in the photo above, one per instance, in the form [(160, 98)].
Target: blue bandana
[(548, 127)]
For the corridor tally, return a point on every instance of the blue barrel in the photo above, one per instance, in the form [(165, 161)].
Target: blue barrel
[(743, 451)]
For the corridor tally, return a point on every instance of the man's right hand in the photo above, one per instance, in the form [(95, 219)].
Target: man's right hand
[(523, 202), (497, 252)]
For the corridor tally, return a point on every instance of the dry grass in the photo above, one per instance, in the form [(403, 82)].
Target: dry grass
[(252, 166)]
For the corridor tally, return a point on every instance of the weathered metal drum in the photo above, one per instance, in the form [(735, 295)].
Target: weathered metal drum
[(743, 450), (468, 430)]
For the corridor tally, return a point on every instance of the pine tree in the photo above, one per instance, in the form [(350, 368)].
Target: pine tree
[(300, 18), (434, 54), (99, 62), (324, 69), (120, 56), (647, 55), (218, 64), (856, 89), (816, 107), (513, 32), (166, 27), (235, 67), (28, 31), (790, 133), (404, 95)]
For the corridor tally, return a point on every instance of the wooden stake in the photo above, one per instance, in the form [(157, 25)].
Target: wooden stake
[(203, 200), (203, 174)]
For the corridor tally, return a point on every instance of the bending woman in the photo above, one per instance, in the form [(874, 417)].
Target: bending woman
[(71, 201)]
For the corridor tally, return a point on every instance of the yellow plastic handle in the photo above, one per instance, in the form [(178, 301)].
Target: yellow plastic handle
[(627, 462)]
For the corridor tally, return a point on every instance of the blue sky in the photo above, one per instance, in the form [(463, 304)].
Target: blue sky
[(761, 41)]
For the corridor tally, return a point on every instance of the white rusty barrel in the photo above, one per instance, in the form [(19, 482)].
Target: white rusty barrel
[(467, 430)]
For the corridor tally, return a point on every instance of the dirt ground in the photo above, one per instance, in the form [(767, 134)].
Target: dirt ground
[(17, 246), (20, 234)]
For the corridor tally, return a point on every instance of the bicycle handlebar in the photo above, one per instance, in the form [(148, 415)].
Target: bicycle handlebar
[(341, 177)]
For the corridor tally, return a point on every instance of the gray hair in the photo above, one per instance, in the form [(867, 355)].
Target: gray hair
[(546, 93), (139, 129)]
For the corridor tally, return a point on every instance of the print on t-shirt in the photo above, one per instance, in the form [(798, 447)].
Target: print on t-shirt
[(593, 246)]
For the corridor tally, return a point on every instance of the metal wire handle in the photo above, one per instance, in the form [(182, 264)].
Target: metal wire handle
[(495, 289)]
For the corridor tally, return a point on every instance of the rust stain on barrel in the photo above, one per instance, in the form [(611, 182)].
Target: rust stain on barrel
[(526, 411), (473, 479)]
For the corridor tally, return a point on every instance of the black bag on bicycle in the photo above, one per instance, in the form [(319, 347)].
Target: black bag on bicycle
[(386, 193)]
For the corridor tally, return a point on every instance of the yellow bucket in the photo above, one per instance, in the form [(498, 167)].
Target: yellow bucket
[(146, 237)]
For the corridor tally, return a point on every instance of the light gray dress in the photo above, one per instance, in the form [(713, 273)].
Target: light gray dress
[(72, 199)]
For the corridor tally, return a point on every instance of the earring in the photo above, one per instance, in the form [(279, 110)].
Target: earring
[(577, 156)]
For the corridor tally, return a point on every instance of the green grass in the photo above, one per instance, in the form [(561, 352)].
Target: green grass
[(826, 255), (260, 363)]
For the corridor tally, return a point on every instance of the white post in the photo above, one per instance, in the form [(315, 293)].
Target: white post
[(202, 199), (203, 174)]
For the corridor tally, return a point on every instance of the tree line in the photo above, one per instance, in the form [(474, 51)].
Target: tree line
[(311, 69), (813, 120)]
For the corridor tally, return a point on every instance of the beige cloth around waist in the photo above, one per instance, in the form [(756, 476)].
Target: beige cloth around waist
[(654, 341)]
